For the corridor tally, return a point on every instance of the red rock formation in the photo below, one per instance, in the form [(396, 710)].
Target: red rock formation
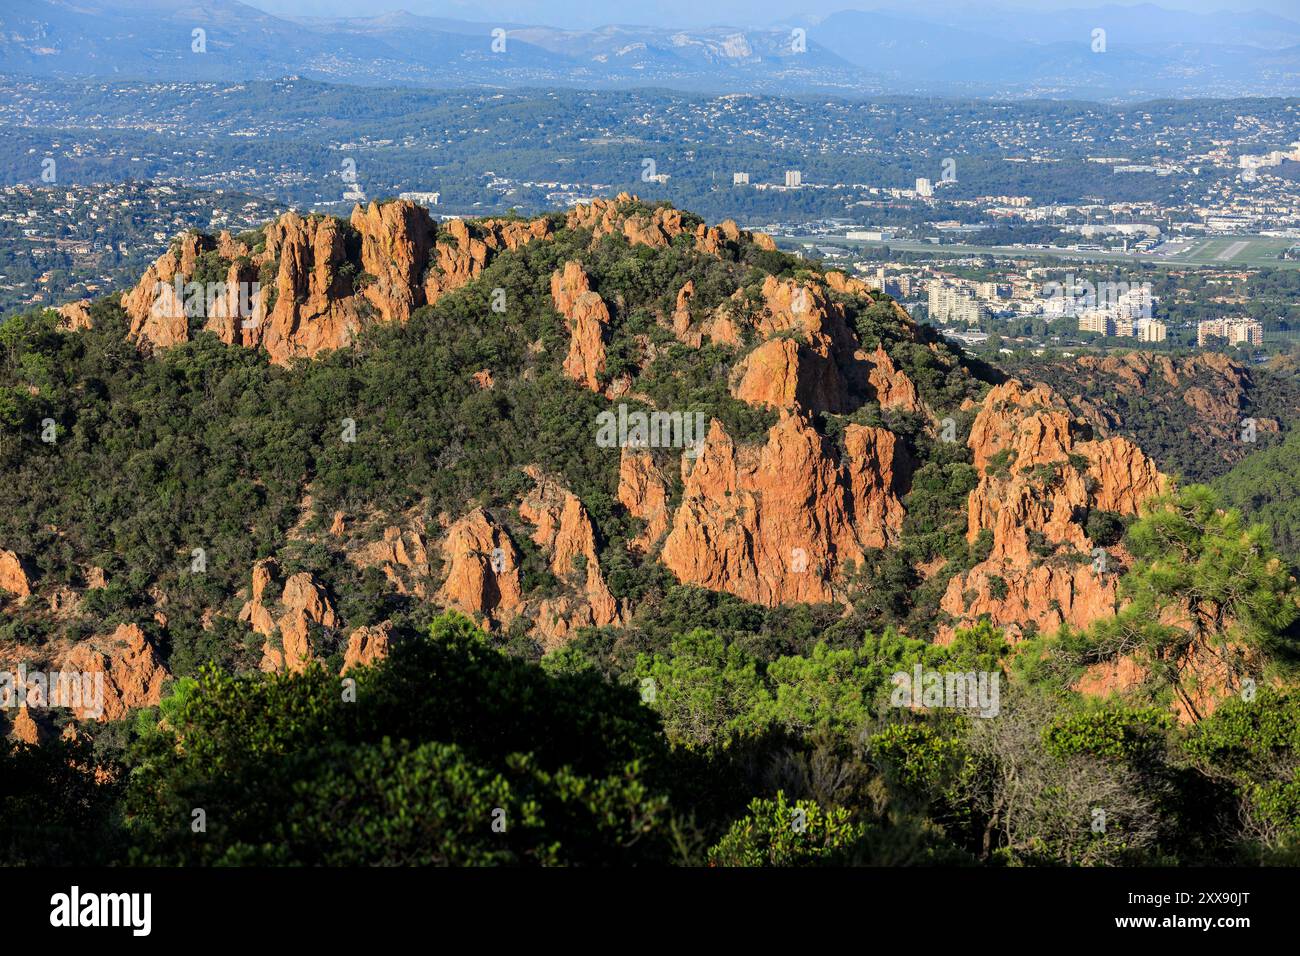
[(482, 570), (776, 524), (681, 318), (463, 250), (24, 729), (367, 645), (314, 309), (305, 603), (1206, 679), (892, 388), (403, 557), (643, 490), (716, 240), (782, 373), (157, 316), (395, 241), (657, 227), (1038, 479), (254, 611), (75, 316), (13, 579), (588, 321), (133, 675), (564, 531), (656, 230)]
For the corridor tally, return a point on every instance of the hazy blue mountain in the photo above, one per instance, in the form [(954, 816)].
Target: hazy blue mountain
[(1150, 51)]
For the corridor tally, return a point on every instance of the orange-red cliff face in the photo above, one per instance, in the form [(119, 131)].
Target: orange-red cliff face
[(588, 320), (777, 524), (564, 531), (482, 574), (328, 279), (132, 674), (658, 227), (808, 356), (303, 603), (1039, 476), (643, 490)]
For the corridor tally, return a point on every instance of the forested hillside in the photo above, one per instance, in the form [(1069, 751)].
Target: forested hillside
[(398, 568)]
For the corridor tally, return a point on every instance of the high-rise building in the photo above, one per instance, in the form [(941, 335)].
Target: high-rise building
[(740, 179), (1097, 321), (1151, 330), (952, 304), (1231, 331), (1134, 303), (793, 178), (924, 188)]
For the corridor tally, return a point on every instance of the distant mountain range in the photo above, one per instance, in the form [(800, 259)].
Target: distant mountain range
[(1148, 51)]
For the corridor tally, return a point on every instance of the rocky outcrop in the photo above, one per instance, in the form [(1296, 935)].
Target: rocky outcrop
[(624, 213), (1205, 676), (75, 316), (643, 490), (395, 241), (783, 373), (564, 531), (303, 603), (24, 728), (367, 645), (588, 320), (1195, 406), (777, 523), (314, 309), (726, 238), (482, 566), (658, 227), (656, 230), (157, 316), (1041, 472), (254, 611), (133, 675), (14, 582), (890, 386), (810, 357), (403, 556), (319, 281), (682, 320), (463, 250)]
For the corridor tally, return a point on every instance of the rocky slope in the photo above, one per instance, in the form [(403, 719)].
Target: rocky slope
[(1041, 474), (819, 400), (1190, 413)]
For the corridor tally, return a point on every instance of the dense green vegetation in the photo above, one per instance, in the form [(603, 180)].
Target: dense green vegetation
[(1266, 486), (707, 731), (723, 748)]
